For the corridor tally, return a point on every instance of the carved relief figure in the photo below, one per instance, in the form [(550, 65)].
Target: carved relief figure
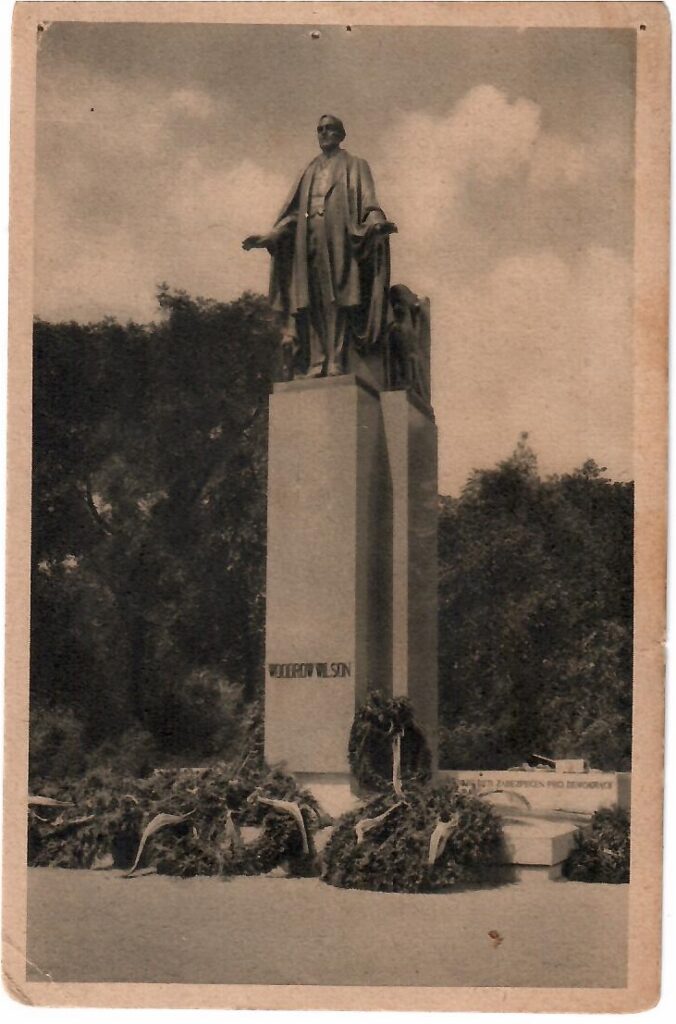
[(407, 354)]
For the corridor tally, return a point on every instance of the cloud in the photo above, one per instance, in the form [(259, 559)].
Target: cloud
[(71, 94), (528, 334), (484, 137), (137, 191), (194, 102), (212, 211), (557, 161), (87, 276), (197, 223), (531, 317), (487, 175), (489, 136), (540, 345)]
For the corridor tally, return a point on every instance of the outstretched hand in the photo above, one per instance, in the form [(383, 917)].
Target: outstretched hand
[(255, 242), (383, 227)]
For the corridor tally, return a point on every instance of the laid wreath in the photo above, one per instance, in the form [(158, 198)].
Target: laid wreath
[(182, 822), (412, 836), (433, 839), (386, 747)]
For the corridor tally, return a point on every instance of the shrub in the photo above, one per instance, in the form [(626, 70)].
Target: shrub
[(471, 745), (393, 855), (61, 846), (602, 852), (135, 753), (202, 713), (370, 747), (56, 748)]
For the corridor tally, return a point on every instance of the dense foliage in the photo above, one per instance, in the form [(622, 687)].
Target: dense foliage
[(370, 748), (149, 482), (149, 478), (535, 640), (393, 856), (602, 852)]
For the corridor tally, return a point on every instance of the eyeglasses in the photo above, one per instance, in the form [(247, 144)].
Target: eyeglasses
[(322, 128)]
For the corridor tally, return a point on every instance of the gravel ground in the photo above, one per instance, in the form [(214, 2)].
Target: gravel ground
[(96, 926)]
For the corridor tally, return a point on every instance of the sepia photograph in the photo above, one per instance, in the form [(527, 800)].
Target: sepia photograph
[(336, 505)]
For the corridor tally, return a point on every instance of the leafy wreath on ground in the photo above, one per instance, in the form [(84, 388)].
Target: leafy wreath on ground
[(410, 836), (182, 822)]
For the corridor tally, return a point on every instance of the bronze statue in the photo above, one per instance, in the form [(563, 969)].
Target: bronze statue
[(330, 258)]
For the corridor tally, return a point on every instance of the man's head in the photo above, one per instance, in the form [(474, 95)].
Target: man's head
[(330, 133)]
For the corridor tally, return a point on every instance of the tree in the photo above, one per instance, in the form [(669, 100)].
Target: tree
[(149, 512), (536, 616), (149, 507)]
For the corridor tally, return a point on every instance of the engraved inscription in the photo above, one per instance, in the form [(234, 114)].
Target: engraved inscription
[(310, 669)]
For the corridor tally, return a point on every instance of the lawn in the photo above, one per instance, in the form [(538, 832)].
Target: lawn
[(90, 926)]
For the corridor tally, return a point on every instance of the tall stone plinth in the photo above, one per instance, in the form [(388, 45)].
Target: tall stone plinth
[(328, 626), (411, 440)]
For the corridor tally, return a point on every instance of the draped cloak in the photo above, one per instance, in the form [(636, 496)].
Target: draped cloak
[(359, 267)]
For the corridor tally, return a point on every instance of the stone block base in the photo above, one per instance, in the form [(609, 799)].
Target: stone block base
[(538, 874), (335, 793), (538, 842), (545, 791)]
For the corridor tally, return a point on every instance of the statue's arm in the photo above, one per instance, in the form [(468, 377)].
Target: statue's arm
[(271, 239), (372, 215), (283, 226)]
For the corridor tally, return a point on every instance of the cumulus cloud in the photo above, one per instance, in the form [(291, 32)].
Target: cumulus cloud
[(558, 161), (198, 223), (125, 200), (561, 162), (459, 185), (213, 209), (527, 335), (87, 276), (71, 94), (485, 137), (535, 334), (194, 102), (540, 345), (490, 136)]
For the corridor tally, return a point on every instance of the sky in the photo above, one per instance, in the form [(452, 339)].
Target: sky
[(504, 156)]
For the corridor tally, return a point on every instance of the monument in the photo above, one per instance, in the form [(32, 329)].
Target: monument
[(352, 484)]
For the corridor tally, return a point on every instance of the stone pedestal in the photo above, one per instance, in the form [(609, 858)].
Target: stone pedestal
[(328, 628), (351, 571), (411, 439)]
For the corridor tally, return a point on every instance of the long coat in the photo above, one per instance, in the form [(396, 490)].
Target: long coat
[(359, 267)]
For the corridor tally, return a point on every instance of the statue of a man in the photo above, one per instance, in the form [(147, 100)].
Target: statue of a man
[(330, 257)]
